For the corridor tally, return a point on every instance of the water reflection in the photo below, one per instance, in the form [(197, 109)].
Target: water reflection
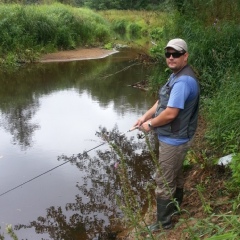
[(95, 212), (20, 93), (17, 120), (54, 108)]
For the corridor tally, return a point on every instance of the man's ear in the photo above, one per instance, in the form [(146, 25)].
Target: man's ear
[(186, 56)]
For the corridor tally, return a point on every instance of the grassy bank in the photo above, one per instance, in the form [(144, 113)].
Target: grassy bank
[(28, 31)]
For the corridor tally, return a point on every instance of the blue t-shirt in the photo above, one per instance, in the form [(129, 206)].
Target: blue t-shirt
[(185, 88)]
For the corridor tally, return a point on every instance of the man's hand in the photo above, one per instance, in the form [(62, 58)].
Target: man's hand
[(139, 122), (145, 127)]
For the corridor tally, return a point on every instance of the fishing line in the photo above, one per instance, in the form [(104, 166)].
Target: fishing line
[(20, 185)]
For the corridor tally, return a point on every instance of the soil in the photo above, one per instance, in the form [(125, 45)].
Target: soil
[(213, 195), (78, 54)]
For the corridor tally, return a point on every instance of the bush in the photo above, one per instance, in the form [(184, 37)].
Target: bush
[(120, 26), (134, 30)]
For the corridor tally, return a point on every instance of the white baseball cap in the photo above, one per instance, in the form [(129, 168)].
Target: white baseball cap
[(177, 44)]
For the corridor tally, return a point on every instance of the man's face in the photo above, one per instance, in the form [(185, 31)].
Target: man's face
[(176, 61)]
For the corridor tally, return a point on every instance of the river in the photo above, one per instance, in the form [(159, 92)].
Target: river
[(49, 116)]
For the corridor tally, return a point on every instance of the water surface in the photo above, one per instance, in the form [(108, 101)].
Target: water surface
[(53, 109)]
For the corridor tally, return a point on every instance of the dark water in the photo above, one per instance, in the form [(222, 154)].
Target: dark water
[(54, 109)]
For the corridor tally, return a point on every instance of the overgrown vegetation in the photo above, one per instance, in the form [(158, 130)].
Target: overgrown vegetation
[(212, 31), (27, 31)]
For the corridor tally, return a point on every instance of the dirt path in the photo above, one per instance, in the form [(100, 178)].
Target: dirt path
[(78, 54)]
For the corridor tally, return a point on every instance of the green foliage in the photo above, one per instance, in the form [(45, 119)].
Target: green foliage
[(53, 26), (225, 236), (215, 227), (223, 116), (134, 30), (108, 46), (120, 26), (157, 33), (133, 24), (207, 11), (123, 4), (217, 51)]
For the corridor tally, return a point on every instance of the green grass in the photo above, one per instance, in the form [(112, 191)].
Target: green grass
[(45, 28), (134, 24)]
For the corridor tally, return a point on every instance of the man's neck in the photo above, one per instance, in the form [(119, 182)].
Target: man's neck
[(179, 70)]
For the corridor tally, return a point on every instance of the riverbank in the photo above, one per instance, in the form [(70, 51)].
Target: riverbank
[(77, 55)]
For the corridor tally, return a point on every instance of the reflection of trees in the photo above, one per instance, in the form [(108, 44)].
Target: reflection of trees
[(19, 93), (57, 226), (17, 121), (95, 211)]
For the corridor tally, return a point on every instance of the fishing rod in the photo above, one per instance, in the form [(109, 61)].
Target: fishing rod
[(20, 185)]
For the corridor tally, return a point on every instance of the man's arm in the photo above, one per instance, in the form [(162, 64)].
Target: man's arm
[(165, 117)]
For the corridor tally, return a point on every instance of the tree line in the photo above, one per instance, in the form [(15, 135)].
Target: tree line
[(101, 4)]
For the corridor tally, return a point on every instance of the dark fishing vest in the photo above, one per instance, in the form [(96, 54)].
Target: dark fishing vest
[(185, 124)]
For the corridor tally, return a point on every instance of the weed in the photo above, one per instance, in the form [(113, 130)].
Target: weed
[(235, 167), (216, 227), (222, 116), (206, 206)]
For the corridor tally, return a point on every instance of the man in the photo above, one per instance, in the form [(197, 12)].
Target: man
[(174, 119)]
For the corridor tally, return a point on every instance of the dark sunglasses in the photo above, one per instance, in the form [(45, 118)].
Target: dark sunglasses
[(174, 54)]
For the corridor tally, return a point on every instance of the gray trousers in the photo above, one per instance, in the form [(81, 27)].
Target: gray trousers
[(169, 175)]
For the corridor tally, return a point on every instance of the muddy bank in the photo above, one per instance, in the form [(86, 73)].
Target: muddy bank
[(76, 55)]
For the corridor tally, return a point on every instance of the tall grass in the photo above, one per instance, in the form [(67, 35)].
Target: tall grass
[(48, 27), (134, 24), (208, 11), (223, 115)]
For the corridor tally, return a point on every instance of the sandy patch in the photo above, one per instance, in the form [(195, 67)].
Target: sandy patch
[(75, 55)]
